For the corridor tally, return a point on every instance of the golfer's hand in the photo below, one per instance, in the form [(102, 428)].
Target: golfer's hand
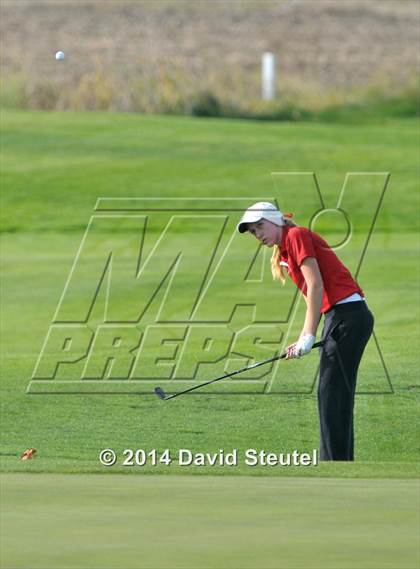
[(300, 348), (291, 351)]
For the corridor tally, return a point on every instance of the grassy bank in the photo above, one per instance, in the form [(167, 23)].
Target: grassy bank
[(205, 58)]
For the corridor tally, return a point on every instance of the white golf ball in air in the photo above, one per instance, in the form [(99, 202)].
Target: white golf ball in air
[(60, 55)]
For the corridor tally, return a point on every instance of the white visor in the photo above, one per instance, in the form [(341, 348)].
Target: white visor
[(260, 210)]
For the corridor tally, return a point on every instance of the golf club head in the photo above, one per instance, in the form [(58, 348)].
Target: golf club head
[(160, 393)]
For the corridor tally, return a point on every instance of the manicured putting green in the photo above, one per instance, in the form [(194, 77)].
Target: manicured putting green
[(107, 521)]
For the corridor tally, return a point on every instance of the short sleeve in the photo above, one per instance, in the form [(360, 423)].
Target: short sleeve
[(301, 244)]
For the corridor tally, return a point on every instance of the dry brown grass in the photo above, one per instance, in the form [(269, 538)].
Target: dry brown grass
[(156, 56)]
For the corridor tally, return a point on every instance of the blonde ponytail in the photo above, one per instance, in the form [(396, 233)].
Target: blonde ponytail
[(276, 268)]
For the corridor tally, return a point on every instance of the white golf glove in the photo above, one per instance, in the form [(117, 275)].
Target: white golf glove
[(304, 345)]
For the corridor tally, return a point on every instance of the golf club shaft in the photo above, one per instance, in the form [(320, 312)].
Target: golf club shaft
[(316, 345)]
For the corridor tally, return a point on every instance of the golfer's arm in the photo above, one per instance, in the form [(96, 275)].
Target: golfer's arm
[(315, 289)]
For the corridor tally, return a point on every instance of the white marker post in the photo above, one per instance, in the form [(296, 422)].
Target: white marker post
[(268, 76)]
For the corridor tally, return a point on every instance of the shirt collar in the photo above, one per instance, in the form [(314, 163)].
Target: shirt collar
[(283, 238)]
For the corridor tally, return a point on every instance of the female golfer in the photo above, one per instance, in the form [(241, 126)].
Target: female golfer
[(328, 289)]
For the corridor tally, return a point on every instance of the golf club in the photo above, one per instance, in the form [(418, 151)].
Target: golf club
[(162, 395)]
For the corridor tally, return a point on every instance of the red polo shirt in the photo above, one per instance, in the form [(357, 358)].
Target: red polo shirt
[(297, 243)]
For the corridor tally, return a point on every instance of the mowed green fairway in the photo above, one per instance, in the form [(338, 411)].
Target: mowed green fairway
[(55, 166), (52, 521)]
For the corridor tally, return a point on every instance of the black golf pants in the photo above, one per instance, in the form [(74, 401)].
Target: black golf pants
[(347, 329)]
